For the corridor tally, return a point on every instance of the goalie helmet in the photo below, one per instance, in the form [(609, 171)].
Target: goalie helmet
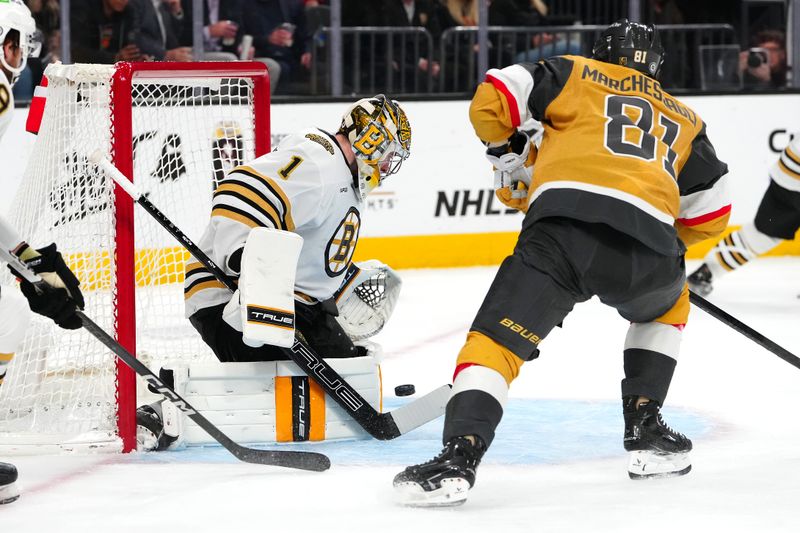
[(633, 45), (15, 15), (379, 132)]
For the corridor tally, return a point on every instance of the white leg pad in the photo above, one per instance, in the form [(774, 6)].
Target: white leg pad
[(266, 287), (274, 401)]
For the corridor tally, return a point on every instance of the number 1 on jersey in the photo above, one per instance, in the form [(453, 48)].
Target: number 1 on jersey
[(290, 167)]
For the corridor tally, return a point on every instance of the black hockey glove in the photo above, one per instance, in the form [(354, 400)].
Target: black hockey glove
[(61, 296)]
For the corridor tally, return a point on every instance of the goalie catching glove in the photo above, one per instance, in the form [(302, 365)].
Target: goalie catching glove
[(367, 298), (513, 162), (62, 297)]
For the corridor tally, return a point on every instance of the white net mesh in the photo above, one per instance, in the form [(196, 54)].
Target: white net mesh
[(61, 386)]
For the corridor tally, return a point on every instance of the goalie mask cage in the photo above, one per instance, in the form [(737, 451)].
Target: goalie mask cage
[(175, 129)]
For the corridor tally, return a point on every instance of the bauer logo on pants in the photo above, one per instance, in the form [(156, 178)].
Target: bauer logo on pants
[(270, 317)]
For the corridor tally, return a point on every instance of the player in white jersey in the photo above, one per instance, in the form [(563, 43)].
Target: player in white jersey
[(309, 192), (314, 185), (18, 31), (777, 220)]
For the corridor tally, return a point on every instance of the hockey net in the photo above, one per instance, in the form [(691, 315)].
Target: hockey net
[(175, 129)]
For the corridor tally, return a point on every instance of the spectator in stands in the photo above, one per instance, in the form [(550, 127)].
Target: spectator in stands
[(279, 33), (763, 66), (674, 73), (104, 31), (47, 14), (532, 13), (458, 13), (412, 59), (453, 13), (222, 20), (665, 12), (223, 32), (160, 24)]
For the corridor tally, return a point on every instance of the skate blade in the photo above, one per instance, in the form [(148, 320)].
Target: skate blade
[(9, 493), (651, 465), (452, 492)]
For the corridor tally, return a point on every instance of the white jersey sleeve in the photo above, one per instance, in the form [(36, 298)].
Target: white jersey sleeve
[(6, 104), (786, 170), (9, 238), (304, 186)]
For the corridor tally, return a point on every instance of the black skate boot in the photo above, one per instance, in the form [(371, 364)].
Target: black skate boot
[(444, 480), (9, 492), (656, 449), (700, 281)]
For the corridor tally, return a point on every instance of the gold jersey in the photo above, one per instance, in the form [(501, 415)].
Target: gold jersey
[(617, 149)]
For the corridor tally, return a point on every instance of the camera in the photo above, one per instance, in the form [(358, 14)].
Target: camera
[(757, 57)]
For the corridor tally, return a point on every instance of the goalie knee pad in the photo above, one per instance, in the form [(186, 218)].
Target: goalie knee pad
[(263, 306)]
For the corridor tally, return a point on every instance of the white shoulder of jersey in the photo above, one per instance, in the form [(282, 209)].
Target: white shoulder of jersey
[(6, 104), (298, 177)]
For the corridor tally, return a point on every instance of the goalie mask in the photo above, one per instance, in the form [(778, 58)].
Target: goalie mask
[(379, 132), (633, 45), (15, 15)]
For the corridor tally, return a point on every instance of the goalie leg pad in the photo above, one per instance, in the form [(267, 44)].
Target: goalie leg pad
[(274, 401), (266, 287)]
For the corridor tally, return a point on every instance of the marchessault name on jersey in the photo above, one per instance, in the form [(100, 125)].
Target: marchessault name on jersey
[(638, 83)]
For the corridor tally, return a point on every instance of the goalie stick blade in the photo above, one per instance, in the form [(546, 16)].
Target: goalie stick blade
[(382, 426), (420, 411)]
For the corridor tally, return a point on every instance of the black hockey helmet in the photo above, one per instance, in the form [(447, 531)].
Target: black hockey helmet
[(634, 45)]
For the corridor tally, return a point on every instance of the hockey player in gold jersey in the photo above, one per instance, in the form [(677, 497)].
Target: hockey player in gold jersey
[(777, 220), (623, 180)]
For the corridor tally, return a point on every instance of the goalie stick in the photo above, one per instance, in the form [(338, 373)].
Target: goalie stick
[(382, 426), (313, 461)]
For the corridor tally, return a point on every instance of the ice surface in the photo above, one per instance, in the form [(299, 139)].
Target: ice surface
[(557, 463)]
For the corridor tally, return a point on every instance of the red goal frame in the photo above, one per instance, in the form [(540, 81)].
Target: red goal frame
[(122, 157)]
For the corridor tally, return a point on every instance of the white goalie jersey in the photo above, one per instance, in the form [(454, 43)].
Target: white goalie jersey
[(6, 104), (305, 186)]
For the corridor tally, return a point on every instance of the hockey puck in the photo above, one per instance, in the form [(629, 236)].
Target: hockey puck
[(405, 390)]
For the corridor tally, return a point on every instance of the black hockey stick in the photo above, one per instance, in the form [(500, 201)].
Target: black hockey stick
[(744, 329), (316, 462), (382, 426)]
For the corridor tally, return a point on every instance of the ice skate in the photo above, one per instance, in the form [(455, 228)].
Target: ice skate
[(9, 491), (444, 480), (656, 449), (700, 281)]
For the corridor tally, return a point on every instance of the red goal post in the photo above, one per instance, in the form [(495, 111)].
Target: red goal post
[(174, 129)]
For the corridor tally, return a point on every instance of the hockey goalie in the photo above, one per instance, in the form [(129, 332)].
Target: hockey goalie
[(285, 226)]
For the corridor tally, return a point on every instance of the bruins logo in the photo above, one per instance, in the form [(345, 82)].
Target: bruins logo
[(342, 245)]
